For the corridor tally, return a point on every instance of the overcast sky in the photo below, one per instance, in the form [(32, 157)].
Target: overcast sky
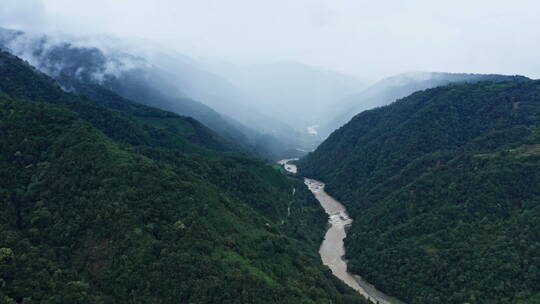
[(367, 38)]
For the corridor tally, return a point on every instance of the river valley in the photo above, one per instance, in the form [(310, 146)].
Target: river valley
[(332, 249)]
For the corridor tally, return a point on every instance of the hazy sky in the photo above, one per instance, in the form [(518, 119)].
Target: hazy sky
[(373, 38)]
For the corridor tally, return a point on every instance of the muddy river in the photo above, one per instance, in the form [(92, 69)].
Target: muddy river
[(332, 249)]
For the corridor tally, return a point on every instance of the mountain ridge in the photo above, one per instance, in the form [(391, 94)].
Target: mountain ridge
[(390, 89)]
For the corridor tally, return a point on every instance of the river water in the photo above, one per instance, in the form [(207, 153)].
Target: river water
[(332, 249)]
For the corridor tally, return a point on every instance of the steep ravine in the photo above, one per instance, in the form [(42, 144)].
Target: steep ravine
[(332, 249)]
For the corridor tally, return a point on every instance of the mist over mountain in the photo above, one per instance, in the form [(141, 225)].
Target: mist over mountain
[(270, 108), (297, 93), (390, 89), (171, 82), (130, 76)]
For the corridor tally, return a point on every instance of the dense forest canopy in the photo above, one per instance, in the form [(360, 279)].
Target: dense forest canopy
[(108, 201), (444, 186)]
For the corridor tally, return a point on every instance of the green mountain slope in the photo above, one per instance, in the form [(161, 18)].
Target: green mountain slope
[(173, 83), (444, 186), (390, 89), (91, 212), (127, 75), (119, 118)]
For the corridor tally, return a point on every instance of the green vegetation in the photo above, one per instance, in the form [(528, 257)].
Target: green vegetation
[(102, 202), (87, 70), (120, 119), (444, 187)]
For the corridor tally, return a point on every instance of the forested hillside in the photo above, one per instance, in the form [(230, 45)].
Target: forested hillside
[(171, 83), (112, 202), (444, 187), (119, 118), (75, 67), (390, 89)]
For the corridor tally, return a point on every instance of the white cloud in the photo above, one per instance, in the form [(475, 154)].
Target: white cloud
[(374, 38), (23, 14)]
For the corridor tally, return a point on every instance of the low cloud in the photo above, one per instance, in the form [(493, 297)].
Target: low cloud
[(370, 39), (27, 15)]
